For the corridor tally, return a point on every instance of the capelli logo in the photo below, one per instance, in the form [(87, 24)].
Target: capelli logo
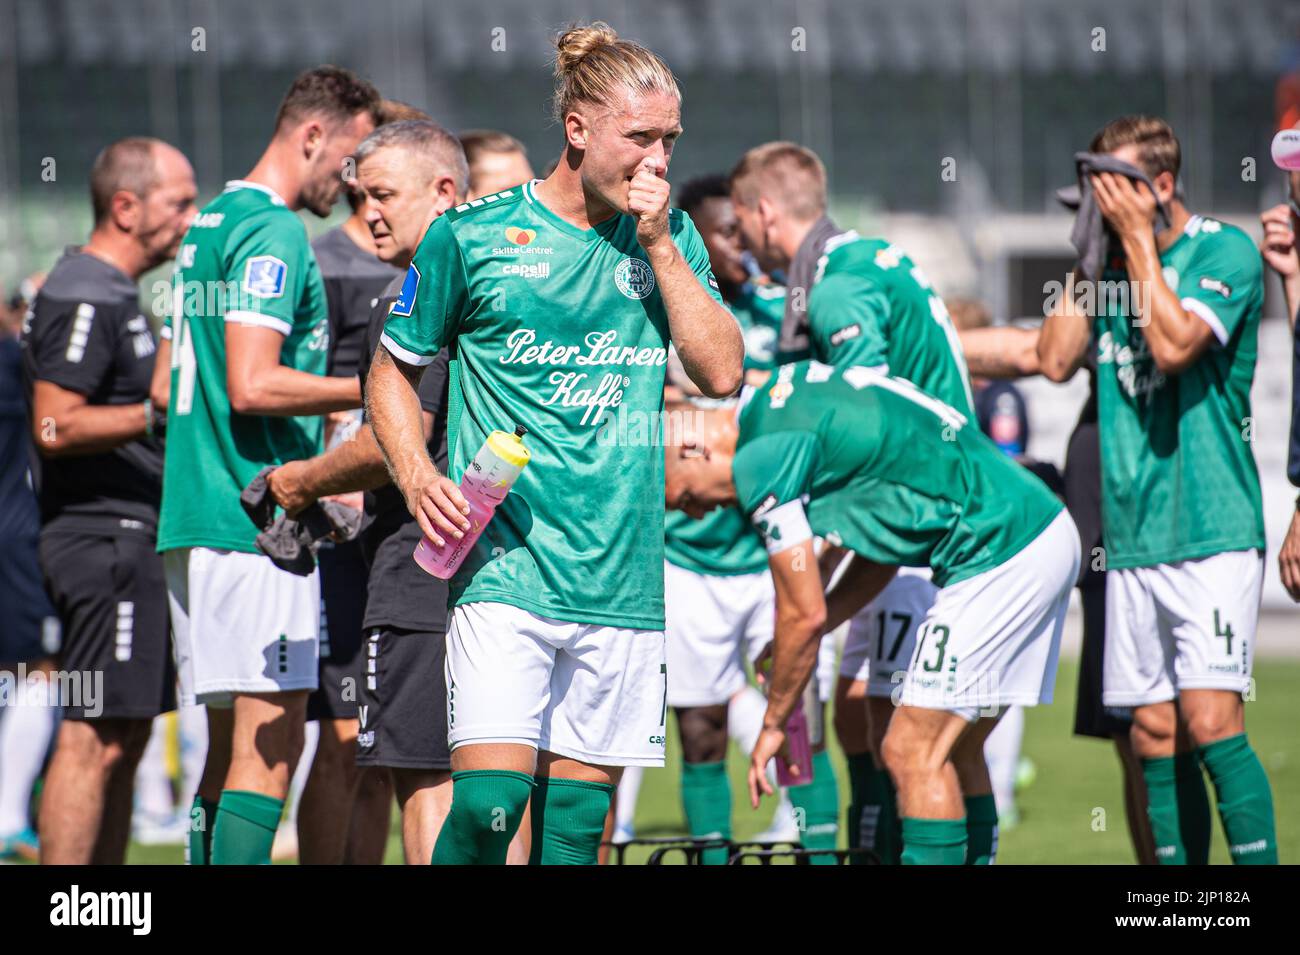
[(77, 908)]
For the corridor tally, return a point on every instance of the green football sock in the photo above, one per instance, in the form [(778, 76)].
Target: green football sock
[(244, 829), (1194, 820), (881, 828), (860, 769), (486, 808), (1178, 809), (1162, 808), (981, 829), (819, 802), (203, 818), (706, 797), (934, 841), (1245, 800), (568, 820)]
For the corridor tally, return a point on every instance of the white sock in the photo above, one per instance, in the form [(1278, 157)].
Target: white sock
[(1002, 753), (26, 726), (192, 725), (301, 772), (745, 714), (628, 789), (153, 789), (745, 717)]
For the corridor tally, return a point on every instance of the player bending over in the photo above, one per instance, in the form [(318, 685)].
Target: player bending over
[(864, 302), (880, 468)]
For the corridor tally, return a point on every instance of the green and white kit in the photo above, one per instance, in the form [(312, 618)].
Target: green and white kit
[(1182, 518), (241, 624), (873, 464), (564, 331)]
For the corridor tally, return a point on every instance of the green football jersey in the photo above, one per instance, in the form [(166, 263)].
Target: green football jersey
[(245, 259), (720, 543), (885, 470), (760, 310), (871, 306), (561, 330), (1178, 473)]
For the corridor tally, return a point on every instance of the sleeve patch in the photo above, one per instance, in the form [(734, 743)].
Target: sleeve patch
[(405, 302), (264, 276), (80, 334), (782, 526), (1215, 285), (847, 333)]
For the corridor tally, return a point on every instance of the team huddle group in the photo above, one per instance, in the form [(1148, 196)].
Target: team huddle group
[(832, 471)]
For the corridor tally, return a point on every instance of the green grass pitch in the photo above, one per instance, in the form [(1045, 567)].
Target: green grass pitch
[(1076, 777)]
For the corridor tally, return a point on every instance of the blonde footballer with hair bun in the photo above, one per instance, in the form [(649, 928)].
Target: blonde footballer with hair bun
[(620, 107), (555, 640)]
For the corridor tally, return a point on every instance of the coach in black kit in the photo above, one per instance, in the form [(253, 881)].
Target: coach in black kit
[(409, 172), (88, 357), (343, 817), (344, 814)]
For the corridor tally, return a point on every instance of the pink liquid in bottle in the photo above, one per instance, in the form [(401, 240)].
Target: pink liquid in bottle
[(485, 484), (799, 745)]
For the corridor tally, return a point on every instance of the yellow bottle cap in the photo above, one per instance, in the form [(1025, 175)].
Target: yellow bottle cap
[(510, 447)]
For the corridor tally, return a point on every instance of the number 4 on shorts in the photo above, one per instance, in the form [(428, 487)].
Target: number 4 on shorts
[(1222, 630)]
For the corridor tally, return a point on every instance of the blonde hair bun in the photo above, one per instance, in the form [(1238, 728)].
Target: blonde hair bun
[(577, 42), (593, 65)]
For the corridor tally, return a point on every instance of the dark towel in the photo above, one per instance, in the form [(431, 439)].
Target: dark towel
[(1089, 233), (795, 335), (292, 542)]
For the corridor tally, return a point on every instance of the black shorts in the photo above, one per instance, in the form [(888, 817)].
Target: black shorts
[(343, 580), (403, 701), (110, 594), (29, 629), (1091, 716)]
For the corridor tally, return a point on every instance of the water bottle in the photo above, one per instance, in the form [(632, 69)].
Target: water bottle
[(1286, 149), (485, 484), (798, 744)]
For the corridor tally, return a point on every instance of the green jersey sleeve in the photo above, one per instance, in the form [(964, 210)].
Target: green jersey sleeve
[(1223, 283), (434, 298), (848, 316), (773, 476), (266, 266), (691, 245)]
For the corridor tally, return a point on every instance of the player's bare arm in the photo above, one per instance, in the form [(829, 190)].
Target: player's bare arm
[(1003, 352), (259, 385), (800, 621), (160, 386), (393, 406), (1175, 336), (859, 584), (354, 465), (63, 423), (1063, 338), (705, 334), (829, 560)]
